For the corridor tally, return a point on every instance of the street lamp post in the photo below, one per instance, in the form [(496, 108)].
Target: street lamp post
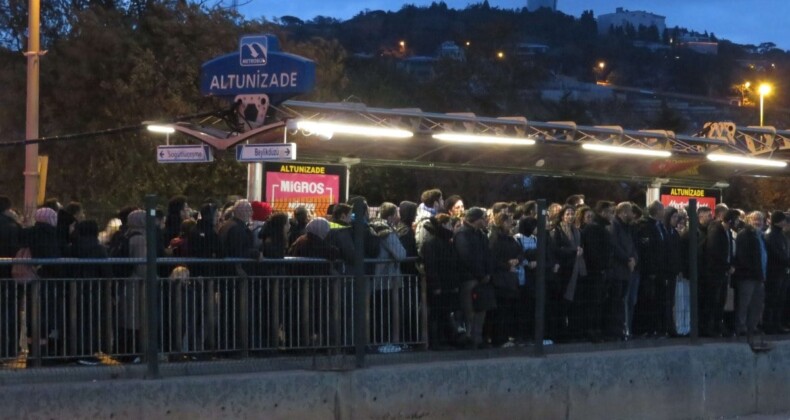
[(31, 119), (764, 89)]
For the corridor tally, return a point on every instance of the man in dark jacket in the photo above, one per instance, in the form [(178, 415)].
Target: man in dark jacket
[(751, 265), (476, 267), (704, 217), (236, 239), (624, 259), (719, 255), (651, 242), (778, 275), (598, 251)]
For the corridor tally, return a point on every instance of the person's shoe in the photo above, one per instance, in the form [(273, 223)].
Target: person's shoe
[(19, 362), (106, 360)]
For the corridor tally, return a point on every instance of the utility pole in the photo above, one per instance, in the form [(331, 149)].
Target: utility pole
[(31, 123)]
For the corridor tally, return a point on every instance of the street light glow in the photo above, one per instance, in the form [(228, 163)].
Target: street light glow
[(164, 129), (745, 160), (479, 139), (764, 89), (327, 129)]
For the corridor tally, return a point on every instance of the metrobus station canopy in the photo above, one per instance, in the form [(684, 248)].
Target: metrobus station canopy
[(353, 133)]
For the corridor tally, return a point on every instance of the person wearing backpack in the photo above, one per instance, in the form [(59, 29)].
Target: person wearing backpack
[(387, 279)]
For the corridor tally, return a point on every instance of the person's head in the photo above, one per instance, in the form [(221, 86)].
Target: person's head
[(531, 209), (318, 227), (408, 212), (779, 219), (704, 215), (342, 213), (720, 211), (475, 217), (756, 219), (360, 204), (527, 226), (656, 210), (575, 200), (242, 210), (177, 208), (277, 225), (454, 205), (584, 216), (53, 203), (74, 208), (389, 212), (187, 226), (554, 210), (136, 219), (260, 211), (123, 214), (432, 198), (638, 211), (301, 215), (5, 204), (731, 218), (624, 211), (566, 214), (500, 207), (503, 221), (605, 209), (671, 217), (47, 216)]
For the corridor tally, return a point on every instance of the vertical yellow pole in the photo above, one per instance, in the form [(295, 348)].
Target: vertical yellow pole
[(31, 124)]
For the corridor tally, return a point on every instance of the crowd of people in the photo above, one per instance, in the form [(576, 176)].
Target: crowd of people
[(611, 270)]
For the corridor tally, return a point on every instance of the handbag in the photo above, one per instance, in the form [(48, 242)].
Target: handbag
[(24, 273), (484, 297)]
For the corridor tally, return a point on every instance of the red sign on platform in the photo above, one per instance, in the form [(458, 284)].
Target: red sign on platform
[(313, 186), (679, 197)]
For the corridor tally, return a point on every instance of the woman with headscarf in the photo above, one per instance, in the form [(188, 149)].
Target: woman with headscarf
[(313, 244), (131, 302), (42, 240)]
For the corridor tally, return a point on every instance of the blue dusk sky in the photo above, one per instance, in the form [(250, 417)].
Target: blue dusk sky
[(740, 21)]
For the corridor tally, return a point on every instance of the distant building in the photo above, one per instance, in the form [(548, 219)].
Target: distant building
[(526, 49), (635, 18), (700, 44), (533, 5), (450, 50), (420, 67)]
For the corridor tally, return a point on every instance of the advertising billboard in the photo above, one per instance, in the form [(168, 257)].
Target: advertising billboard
[(679, 197), (289, 185)]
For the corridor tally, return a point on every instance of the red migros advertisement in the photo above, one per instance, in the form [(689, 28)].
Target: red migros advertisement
[(679, 197), (289, 185)]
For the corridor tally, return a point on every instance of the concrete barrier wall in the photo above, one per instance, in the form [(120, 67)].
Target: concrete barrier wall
[(707, 381)]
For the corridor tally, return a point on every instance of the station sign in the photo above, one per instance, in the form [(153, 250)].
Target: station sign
[(258, 67), (198, 153), (679, 197), (266, 152), (289, 185)]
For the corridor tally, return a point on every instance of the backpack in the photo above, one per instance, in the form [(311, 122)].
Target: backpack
[(24, 273), (119, 248)]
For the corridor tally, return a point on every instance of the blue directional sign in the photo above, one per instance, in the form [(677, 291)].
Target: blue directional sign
[(198, 153), (258, 67), (266, 152)]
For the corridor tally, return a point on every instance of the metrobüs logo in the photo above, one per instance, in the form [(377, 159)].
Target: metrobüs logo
[(253, 51)]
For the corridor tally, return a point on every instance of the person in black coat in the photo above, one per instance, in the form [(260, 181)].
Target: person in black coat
[(407, 211), (204, 241), (778, 275), (443, 284), (652, 245), (475, 268), (671, 268), (237, 241), (751, 264), (624, 262), (719, 255), (598, 284), (10, 235), (507, 256)]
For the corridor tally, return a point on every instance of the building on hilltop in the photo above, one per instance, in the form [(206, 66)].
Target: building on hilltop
[(635, 18), (534, 5), (450, 50), (699, 44)]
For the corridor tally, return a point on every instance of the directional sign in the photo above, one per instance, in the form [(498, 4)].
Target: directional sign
[(184, 154), (266, 152)]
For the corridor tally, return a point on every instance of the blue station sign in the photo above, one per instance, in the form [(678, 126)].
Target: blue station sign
[(258, 67)]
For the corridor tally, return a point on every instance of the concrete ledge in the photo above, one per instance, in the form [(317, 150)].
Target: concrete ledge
[(706, 381)]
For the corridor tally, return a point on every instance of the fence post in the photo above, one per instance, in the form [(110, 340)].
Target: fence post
[(152, 289), (540, 280), (35, 321), (693, 267), (361, 292)]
